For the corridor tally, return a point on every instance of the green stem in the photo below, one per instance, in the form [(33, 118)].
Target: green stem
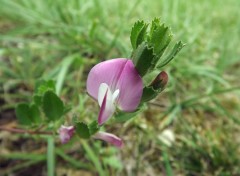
[(168, 167), (91, 154), (76, 163), (50, 156)]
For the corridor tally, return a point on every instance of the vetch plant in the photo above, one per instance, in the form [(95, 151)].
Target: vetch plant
[(121, 86), (123, 82)]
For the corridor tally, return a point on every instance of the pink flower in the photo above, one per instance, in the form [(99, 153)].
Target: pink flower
[(110, 138), (115, 83), (65, 133)]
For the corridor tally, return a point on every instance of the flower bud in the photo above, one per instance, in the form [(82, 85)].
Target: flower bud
[(65, 133), (160, 81)]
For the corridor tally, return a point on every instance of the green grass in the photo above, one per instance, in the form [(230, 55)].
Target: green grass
[(200, 105)]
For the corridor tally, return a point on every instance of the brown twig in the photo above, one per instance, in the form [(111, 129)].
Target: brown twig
[(23, 131)]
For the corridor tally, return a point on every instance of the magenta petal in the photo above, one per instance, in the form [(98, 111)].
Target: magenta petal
[(105, 72), (130, 85), (65, 133), (117, 74), (110, 138)]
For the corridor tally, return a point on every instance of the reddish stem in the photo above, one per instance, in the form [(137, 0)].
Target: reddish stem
[(18, 130)]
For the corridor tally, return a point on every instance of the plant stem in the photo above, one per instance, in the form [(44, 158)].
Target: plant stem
[(18, 130), (50, 156), (91, 154)]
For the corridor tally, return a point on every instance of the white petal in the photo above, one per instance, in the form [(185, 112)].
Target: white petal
[(115, 95), (105, 100), (103, 88)]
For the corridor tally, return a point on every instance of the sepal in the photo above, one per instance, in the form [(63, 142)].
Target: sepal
[(157, 86), (85, 131), (143, 58)]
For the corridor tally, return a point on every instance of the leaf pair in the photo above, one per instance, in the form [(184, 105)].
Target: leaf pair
[(28, 114), (44, 100), (149, 42)]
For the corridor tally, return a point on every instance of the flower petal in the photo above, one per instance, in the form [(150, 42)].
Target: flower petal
[(105, 72), (130, 85), (117, 74), (107, 105), (103, 88), (65, 133), (115, 95), (110, 138)]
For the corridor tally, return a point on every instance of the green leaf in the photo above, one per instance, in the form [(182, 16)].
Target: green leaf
[(154, 25), (37, 100), (142, 58), (93, 127), (52, 106), (35, 114), (138, 33), (28, 115), (160, 38), (178, 46), (23, 114), (82, 130), (150, 45), (43, 86)]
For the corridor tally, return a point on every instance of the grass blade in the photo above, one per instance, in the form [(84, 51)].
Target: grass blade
[(50, 156)]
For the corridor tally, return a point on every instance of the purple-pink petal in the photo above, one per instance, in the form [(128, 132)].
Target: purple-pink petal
[(105, 72), (119, 74), (130, 85), (65, 133), (110, 138)]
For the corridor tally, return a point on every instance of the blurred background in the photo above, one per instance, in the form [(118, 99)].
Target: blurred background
[(192, 128)]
